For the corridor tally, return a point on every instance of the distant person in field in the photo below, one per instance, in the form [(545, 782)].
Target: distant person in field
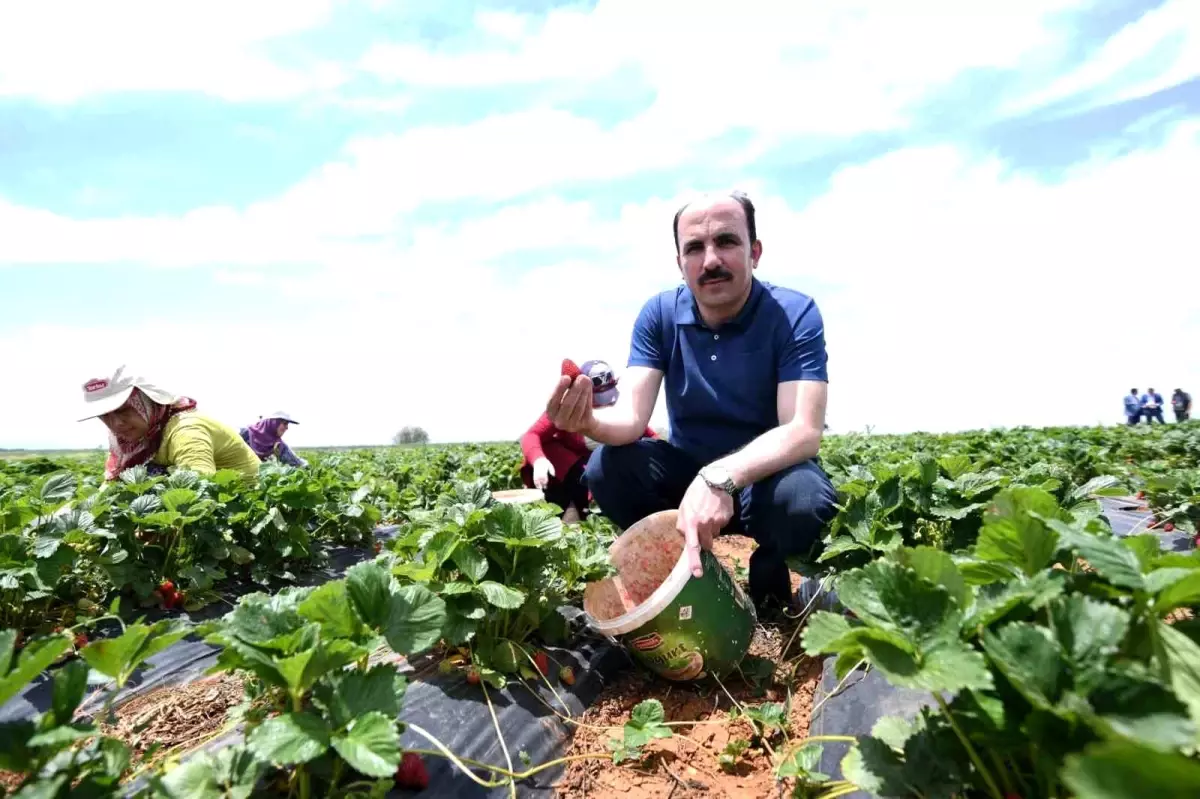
[(1152, 403), (149, 426), (555, 459), (265, 437), (743, 363), (1133, 407), (1181, 403)]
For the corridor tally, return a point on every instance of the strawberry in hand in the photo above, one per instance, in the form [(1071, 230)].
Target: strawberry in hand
[(569, 369)]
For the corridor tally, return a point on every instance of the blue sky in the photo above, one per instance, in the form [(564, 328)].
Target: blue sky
[(375, 216)]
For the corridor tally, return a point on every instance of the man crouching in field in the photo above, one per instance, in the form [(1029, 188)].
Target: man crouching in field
[(745, 368)]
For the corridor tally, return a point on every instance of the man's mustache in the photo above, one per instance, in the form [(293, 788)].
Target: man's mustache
[(714, 275)]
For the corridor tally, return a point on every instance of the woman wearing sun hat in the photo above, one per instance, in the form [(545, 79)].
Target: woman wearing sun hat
[(149, 426), (555, 459), (265, 437)]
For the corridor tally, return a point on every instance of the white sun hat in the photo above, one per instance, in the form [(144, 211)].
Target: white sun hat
[(283, 416), (103, 395)]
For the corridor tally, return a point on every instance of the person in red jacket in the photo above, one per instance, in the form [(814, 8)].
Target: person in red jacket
[(555, 459)]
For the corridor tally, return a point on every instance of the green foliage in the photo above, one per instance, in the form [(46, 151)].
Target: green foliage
[(1048, 661)]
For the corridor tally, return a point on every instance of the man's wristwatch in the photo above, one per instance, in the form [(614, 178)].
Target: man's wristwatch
[(718, 478)]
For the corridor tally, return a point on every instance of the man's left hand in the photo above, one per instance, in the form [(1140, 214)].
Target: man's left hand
[(703, 513)]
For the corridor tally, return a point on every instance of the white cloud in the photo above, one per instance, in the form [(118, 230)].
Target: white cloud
[(62, 50), (956, 293), (1158, 50), (839, 68)]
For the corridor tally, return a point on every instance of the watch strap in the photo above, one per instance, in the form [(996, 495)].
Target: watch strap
[(727, 485)]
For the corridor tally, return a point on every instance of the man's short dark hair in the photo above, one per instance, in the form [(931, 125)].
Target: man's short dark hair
[(743, 200), (1133, 391)]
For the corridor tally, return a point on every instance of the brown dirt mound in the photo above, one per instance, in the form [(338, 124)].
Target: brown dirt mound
[(686, 765)]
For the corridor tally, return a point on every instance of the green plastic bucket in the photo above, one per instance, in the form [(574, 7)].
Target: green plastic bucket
[(679, 626)]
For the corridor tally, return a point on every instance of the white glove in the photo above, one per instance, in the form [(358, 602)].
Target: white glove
[(543, 470)]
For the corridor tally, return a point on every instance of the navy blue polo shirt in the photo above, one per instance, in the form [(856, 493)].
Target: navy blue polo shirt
[(722, 383)]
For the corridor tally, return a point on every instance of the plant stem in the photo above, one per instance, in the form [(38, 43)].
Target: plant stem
[(338, 765), (836, 689), (305, 783), (544, 678), (1002, 771), (512, 785), (463, 762), (966, 742)]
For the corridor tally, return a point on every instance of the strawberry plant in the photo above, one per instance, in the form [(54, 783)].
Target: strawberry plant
[(327, 720), (1033, 660), (54, 755), (503, 571)]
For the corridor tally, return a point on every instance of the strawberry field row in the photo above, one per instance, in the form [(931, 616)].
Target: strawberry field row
[(977, 567)]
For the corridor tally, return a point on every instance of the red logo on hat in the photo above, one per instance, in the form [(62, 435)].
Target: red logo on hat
[(93, 386)]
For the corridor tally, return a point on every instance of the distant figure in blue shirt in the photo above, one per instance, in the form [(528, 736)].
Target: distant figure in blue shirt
[(744, 367), (1133, 407), (1152, 403)]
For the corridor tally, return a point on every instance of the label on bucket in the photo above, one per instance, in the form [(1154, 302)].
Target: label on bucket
[(647, 642), (705, 629)]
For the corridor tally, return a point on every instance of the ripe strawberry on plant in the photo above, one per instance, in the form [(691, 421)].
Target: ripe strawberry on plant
[(378, 547), (1169, 527), (569, 369), (412, 772), (473, 676), (1141, 495), (81, 640), (542, 661)]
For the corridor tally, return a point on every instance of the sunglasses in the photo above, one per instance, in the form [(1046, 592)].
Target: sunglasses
[(602, 379)]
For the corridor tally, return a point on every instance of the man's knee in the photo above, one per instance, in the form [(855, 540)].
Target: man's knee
[(805, 491), (791, 508), (614, 469)]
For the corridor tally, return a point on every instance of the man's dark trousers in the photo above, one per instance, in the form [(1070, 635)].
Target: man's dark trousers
[(784, 513)]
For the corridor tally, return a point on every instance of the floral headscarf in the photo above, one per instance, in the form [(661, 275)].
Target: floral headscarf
[(123, 453)]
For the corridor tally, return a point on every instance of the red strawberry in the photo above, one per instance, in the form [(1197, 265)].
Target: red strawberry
[(542, 661), (1170, 528), (166, 586), (378, 547), (569, 369), (412, 772), (567, 675), (1141, 495), (80, 640), (473, 676)]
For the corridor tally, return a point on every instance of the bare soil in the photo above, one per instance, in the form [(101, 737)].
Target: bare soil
[(686, 765)]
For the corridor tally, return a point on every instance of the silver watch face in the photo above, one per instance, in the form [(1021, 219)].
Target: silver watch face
[(718, 478)]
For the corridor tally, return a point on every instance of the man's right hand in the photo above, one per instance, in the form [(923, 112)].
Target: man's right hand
[(570, 406), (543, 470)]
